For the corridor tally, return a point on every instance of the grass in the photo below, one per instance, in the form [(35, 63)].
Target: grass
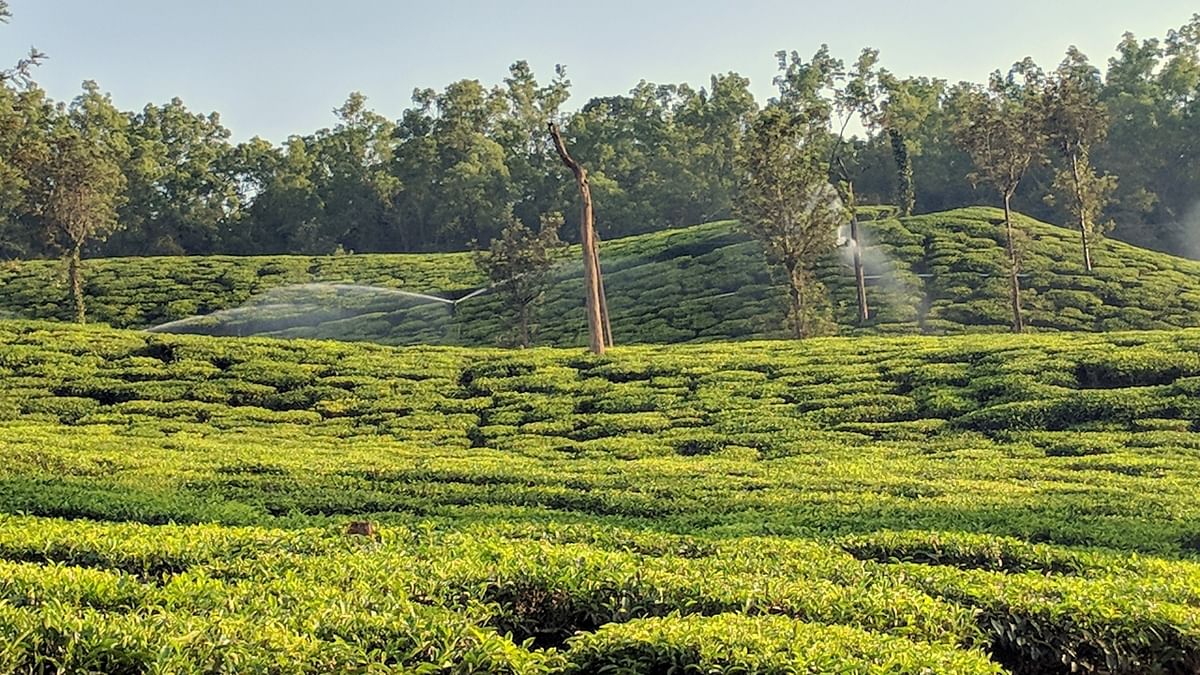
[(878, 504), (936, 273)]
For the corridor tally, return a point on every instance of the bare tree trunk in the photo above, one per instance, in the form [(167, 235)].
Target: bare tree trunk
[(1079, 206), (593, 292), (905, 194), (804, 328), (523, 337), (860, 281), (1018, 324), (75, 278), (608, 338), (796, 296)]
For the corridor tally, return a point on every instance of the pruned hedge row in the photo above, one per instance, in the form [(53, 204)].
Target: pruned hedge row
[(699, 400), (936, 273), (477, 598), (846, 503), (731, 643)]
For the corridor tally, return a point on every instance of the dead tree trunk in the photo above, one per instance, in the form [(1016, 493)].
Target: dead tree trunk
[(608, 338), (592, 283)]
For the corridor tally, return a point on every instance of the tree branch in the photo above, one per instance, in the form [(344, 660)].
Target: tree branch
[(565, 156)]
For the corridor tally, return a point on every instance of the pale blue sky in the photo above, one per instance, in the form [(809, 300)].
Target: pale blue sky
[(277, 67)]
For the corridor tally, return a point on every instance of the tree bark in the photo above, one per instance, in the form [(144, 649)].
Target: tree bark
[(593, 288), (523, 333), (1018, 324), (608, 338), (75, 278), (796, 295), (905, 193), (1079, 206)]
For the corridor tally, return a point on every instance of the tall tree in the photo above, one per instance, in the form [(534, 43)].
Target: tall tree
[(19, 73), (533, 166), (180, 196), (252, 168), (24, 124), (352, 180), (712, 126), (663, 153), (1152, 89), (285, 215), (907, 106), (857, 98), (22, 103), (788, 205), (456, 183), (518, 263), (78, 185), (1003, 127), (641, 175), (1078, 121)]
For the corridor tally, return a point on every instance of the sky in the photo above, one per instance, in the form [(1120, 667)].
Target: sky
[(273, 68)]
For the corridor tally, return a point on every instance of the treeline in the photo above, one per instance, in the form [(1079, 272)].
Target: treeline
[(466, 161)]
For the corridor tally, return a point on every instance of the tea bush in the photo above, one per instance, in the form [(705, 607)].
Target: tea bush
[(901, 504), (935, 273)]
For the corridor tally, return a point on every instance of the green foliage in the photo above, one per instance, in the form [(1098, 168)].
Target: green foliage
[(737, 644), (876, 504), (702, 283), (788, 206), (461, 162), (1078, 121), (75, 184), (518, 263)]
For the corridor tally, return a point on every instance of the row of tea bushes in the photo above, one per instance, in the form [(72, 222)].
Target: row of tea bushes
[(471, 597), (936, 273), (864, 503)]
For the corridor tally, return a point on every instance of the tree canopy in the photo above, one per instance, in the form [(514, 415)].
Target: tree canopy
[(464, 161)]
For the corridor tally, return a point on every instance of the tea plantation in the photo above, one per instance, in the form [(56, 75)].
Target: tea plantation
[(971, 504), (938, 273)]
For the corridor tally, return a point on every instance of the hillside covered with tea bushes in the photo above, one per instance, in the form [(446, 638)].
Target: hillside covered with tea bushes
[(979, 504), (937, 273)]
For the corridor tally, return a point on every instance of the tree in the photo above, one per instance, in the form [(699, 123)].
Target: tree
[(663, 155), (19, 73), (1002, 128), (456, 186), (788, 205), (1152, 91), (24, 115), (22, 104), (533, 166), (518, 263), (180, 197), (78, 186), (712, 125), (352, 180), (595, 304), (285, 214), (857, 98), (1078, 121), (906, 107)]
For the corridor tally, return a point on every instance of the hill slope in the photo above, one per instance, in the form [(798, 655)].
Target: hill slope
[(915, 504), (937, 273)]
